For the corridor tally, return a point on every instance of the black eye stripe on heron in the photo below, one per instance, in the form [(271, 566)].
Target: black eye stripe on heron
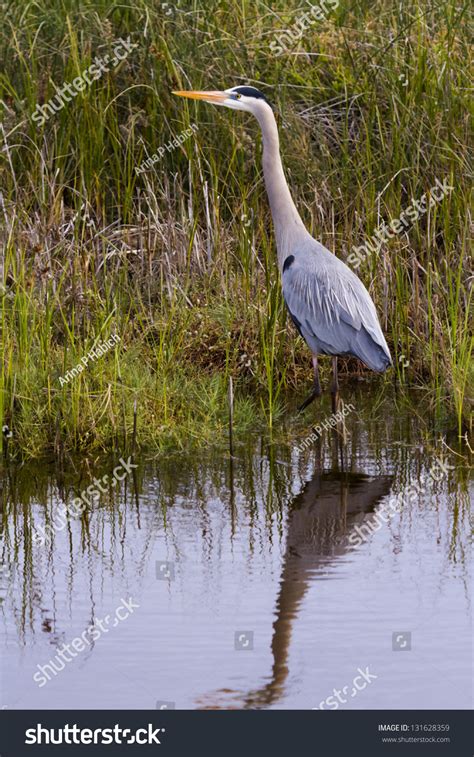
[(251, 92), (329, 305)]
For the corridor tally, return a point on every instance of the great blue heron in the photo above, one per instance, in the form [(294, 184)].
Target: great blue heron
[(328, 303)]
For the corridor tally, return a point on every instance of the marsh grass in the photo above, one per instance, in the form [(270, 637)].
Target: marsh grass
[(180, 260)]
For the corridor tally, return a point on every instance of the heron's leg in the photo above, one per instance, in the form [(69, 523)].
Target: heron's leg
[(316, 391), (334, 386), (316, 386)]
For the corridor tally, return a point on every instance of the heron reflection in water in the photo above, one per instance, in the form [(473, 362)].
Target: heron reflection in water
[(321, 520)]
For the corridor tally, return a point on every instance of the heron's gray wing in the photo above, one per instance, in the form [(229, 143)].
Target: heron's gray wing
[(332, 309)]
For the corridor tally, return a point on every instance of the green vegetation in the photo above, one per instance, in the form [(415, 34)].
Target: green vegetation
[(179, 260)]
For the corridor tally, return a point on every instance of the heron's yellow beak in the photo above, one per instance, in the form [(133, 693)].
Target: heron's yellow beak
[(210, 97)]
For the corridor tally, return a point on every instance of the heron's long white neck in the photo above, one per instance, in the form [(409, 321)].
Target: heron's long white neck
[(288, 225)]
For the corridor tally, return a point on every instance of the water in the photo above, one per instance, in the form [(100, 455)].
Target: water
[(271, 554)]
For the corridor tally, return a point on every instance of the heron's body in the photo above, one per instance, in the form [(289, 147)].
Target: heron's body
[(328, 303), (331, 308)]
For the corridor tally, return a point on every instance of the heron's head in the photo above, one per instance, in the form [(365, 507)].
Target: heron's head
[(236, 98)]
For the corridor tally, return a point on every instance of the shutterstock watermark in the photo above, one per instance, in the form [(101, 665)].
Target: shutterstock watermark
[(79, 504), (91, 634), (329, 422), (170, 146), (286, 39), (73, 734), (401, 641), (243, 640), (70, 90), (92, 355), (359, 683), (408, 216), (394, 505)]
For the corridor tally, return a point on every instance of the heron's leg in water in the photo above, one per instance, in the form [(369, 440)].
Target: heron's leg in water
[(334, 386), (316, 391)]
